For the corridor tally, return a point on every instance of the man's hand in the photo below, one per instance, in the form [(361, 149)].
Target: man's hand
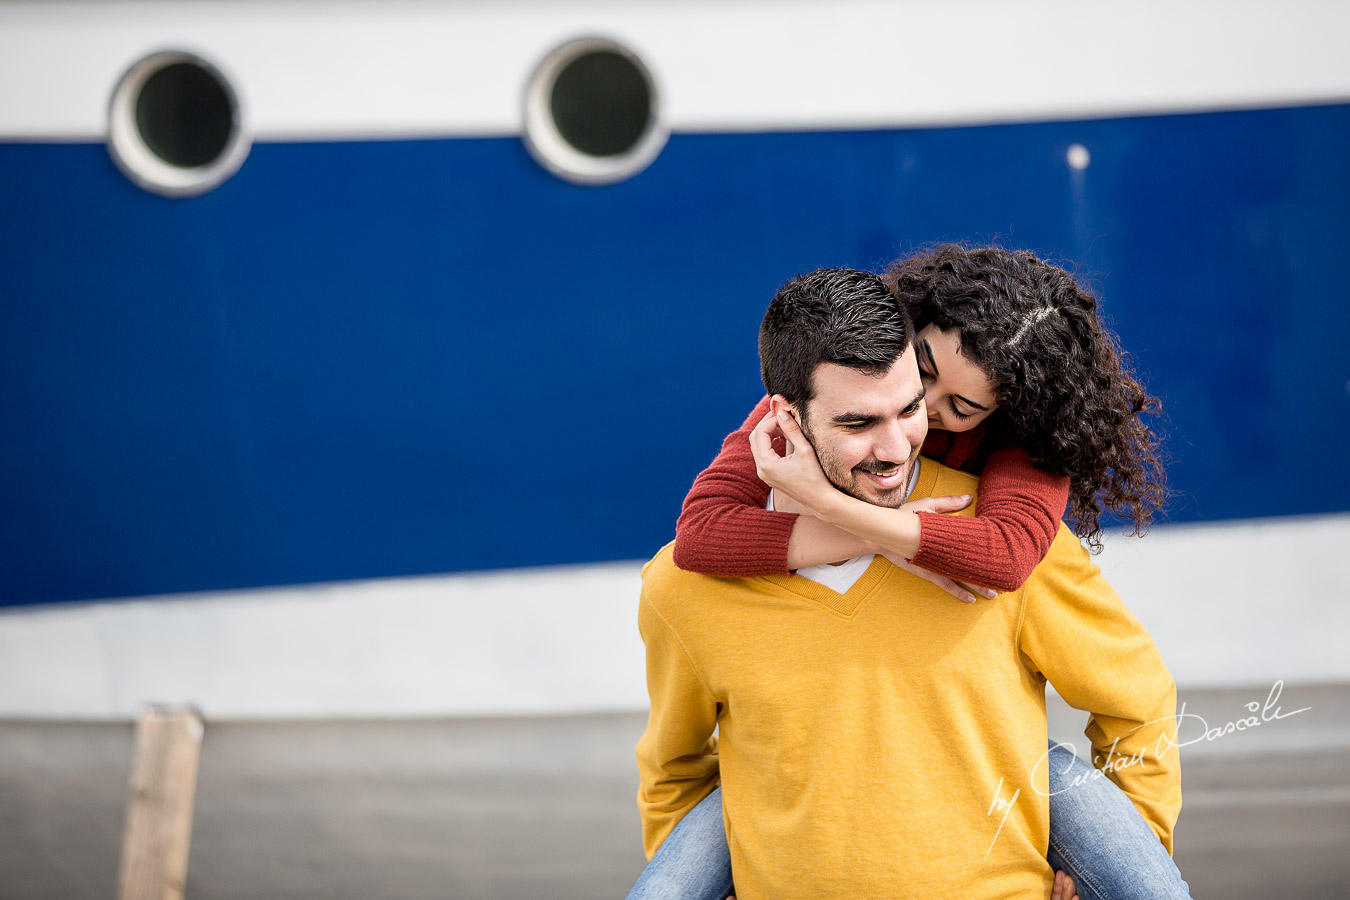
[(961, 591), (1064, 888)]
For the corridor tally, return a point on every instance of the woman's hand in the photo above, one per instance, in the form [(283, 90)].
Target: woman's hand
[(795, 471), (961, 591)]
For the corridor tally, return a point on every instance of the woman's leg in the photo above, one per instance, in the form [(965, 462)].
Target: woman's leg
[(693, 862), (1097, 837), (1101, 841)]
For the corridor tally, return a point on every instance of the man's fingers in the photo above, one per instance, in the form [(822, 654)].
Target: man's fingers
[(1064, 888)]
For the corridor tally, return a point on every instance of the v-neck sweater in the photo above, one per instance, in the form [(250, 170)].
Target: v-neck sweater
[(867, 739)]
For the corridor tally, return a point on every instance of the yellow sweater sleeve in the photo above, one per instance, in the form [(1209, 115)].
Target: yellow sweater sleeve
[(677, 754), (1077, 634)]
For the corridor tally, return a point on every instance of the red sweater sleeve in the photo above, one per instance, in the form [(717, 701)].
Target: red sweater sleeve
[(724, 528), (1015, 520)]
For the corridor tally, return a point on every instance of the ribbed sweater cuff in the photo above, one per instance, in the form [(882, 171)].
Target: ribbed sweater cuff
[(945, 548), (762, 551)]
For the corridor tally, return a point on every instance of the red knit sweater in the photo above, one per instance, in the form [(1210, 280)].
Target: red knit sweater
[(724, 528)]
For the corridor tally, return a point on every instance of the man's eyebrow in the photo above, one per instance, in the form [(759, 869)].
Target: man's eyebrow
[(851, 417), (844, 417)]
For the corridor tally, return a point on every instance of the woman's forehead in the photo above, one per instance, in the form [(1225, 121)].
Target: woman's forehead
[(941, 351)]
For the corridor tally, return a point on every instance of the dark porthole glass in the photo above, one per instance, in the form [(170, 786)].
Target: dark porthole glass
[(184, 115), (592, 112), (175, 125), (601, 103)]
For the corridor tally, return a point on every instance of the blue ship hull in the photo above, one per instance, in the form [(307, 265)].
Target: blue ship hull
[(376, 358)]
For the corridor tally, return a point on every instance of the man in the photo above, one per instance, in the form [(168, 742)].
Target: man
[(873, 739)]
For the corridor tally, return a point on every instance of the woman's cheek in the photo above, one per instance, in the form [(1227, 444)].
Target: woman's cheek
[(952, 423)]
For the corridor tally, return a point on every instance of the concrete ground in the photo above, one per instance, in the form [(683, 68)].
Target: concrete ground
[(543, 807)]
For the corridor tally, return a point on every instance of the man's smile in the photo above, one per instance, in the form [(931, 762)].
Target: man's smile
[(881, 474)]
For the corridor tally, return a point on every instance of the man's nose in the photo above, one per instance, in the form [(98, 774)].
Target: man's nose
[(893, 444)]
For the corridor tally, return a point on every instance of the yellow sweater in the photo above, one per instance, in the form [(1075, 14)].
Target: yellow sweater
[(890, 741)]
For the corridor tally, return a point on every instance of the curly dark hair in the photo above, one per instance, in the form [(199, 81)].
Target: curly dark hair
[(1065, 393)]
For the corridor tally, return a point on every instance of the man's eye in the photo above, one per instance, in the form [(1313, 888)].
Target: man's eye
[(854, 426)]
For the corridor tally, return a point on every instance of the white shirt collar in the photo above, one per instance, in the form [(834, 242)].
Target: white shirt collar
[(841, 576)]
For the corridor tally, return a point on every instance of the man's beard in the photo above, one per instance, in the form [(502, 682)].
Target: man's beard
[(850, 482)]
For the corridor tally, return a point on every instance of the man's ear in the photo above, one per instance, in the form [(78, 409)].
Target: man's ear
[(778, 403)]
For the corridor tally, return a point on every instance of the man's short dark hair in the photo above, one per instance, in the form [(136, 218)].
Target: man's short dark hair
[(839, 316)]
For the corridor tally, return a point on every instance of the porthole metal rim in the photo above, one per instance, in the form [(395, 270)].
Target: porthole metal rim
[(145, 168), (552, 151)]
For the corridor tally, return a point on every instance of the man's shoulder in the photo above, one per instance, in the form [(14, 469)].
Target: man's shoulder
[(691, 605), (1067, 564), (1068, 547), (950, 481), (660, 567), (661, 578)]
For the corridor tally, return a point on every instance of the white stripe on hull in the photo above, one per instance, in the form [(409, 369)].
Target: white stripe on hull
[(1234, 604), (323, 69)]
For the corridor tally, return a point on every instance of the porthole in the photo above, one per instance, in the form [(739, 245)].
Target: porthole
[(174, 125), (592, 113)]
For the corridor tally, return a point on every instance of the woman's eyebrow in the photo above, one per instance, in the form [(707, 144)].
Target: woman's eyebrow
[(932, 365), (966, 400), (928, 356)]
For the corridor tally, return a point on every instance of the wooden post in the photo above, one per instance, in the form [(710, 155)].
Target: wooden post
[(159, 810)]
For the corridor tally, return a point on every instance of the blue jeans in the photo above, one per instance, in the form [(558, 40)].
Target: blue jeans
[(1096, 836)]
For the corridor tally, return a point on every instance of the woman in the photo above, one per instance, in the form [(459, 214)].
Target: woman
[(1023, 386)]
